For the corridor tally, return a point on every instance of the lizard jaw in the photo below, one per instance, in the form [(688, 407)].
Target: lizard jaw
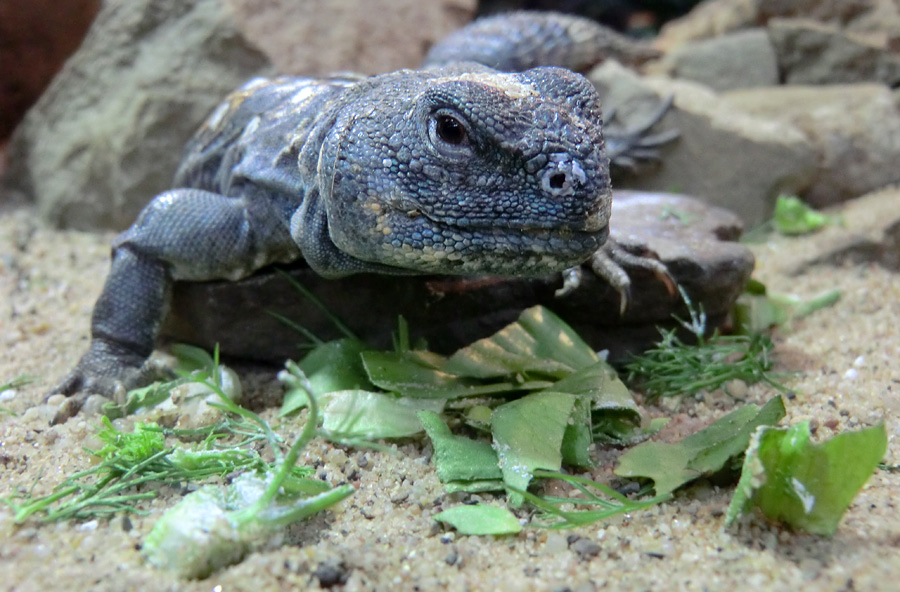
[(420, 243)]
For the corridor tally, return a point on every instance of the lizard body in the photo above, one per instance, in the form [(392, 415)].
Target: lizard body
[(453, 169)]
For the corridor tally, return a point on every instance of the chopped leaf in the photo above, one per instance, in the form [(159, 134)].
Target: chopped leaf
[(539, 343), (480, 519), (610, 428), (457, 458), (371, 415), (474, 486), (528, 435), (614, 414), (672, 465), (479, 416), (577, 439), (804, 485), (212, 527), (332, 366), (145, 441), (792, 216), (422, 375), (600, 384), (757, 309)]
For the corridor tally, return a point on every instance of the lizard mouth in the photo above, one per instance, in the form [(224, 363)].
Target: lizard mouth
[(417, 240), (594, 223)]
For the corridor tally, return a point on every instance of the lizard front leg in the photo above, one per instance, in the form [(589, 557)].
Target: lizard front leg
[(182, 234)]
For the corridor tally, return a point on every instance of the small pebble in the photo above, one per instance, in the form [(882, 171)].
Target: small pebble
[(39, 414), (736, 388), (331, 573), (556, 543), (94, 405), (586, 548)]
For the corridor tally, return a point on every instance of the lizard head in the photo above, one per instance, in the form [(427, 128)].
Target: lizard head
[(467, 171)]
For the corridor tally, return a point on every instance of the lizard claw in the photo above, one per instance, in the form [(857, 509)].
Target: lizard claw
[(571, 280), (611, 261), (104, 370)]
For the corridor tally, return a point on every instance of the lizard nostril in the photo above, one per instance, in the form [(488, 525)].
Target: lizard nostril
[(557, 180), (562, 176)]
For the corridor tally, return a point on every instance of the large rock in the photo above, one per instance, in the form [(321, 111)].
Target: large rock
[(724, 155), (367, 36), (814, 53), (854, 129), (736, 60), (107, 134)]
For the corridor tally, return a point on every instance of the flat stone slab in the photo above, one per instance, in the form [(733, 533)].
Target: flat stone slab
[(694, 240)]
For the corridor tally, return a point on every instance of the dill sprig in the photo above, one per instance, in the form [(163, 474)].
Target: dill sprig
[(674, 368), (135, 465)]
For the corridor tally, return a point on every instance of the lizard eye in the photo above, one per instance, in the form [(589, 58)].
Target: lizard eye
[(450, 129)]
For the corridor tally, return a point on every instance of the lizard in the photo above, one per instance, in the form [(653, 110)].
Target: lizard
[(490, 159)]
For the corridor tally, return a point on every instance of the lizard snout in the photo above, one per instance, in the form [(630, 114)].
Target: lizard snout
[(562, 176)]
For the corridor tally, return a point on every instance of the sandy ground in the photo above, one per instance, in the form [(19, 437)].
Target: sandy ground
[(847, 376)]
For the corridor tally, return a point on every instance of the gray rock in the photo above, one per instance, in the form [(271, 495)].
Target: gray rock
[(307, 37), (718, 17), (707, 20), (883, 16), (694, 240), (108, 133), (814, 53), (724, 155), (866, 230), (736, 60), (854, 129)]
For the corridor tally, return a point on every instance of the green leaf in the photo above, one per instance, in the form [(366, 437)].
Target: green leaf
[(474, 486), (577, 439), (210, 527), (804, 485), (420, 374), (622, 431), (330, 367), (480, 520), (372, 415), (793, 217), (130, 448), (457, 458), (672, 465), (528, 435), (603, 400), (539, 342), (756, 312)]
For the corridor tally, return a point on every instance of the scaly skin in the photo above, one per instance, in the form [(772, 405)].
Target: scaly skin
[(453, 169)]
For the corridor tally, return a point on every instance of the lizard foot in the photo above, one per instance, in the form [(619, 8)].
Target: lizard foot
[(634, 145), (106, 369), (610, 263)]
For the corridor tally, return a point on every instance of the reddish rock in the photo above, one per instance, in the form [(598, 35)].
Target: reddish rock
[(36, 37)]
